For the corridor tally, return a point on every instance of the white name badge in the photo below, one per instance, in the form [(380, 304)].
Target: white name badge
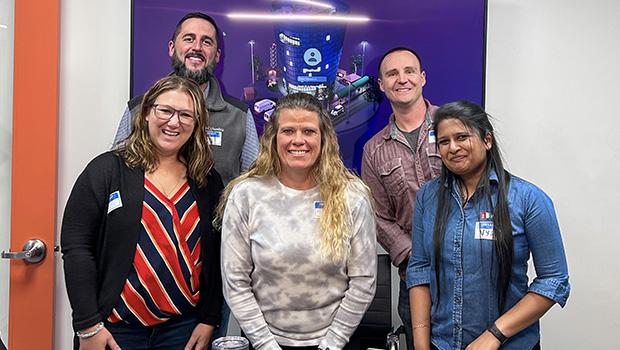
[(431, 136), (318, 208), (484, 230), (115, 201), (215, 137)]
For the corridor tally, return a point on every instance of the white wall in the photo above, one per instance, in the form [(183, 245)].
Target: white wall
[(551, 84), (7, 8), (94, 86)]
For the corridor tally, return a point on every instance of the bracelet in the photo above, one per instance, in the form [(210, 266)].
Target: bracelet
[(497, 333), (420, 326), (88, 335)]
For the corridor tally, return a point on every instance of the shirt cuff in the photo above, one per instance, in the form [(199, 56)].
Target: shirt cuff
[(418, 276), (332, 341), (270, 345), (555, 289)]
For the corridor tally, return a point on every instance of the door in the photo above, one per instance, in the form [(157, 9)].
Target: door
[(33, 168)]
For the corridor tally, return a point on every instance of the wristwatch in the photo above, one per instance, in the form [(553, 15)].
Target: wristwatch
[(497, 333)]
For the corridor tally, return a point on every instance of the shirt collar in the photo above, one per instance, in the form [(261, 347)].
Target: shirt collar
[(427, 121), (492, 178)]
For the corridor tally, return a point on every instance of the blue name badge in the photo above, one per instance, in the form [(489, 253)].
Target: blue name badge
[(484, 230), (431, 136), (215, 137), (318, 208), (115, 201)]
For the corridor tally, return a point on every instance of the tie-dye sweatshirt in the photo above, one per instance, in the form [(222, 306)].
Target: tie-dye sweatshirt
[(277, 285)]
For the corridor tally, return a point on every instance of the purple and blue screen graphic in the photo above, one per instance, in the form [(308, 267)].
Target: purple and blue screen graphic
[(328, 48)]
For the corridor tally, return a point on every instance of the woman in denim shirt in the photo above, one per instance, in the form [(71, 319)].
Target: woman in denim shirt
[(474, 228)]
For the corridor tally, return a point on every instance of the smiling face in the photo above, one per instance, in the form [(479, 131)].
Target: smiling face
[(194, 51), (298, 142), (462, 150), (168, 136), (401, 78)]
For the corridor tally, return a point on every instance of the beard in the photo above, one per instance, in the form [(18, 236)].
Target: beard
[(199, 76)]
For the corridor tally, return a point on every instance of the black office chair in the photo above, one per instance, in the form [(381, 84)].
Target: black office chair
[(377, 322)]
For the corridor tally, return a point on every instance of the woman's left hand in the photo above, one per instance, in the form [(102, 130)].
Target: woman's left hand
[(486, 341), (200, 337)]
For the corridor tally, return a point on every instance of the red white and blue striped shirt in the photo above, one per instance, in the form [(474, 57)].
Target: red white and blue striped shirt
[(164, 278)]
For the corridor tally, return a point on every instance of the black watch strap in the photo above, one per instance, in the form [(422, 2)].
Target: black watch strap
[(497, 333)]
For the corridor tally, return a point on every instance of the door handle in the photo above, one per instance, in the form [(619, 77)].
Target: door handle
[(33, 251)]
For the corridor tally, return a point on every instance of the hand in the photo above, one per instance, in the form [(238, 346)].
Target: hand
[(99, 340), (486, 341), (200, 337)]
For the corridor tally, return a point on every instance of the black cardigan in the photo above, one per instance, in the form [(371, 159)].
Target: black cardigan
[(99, 247)]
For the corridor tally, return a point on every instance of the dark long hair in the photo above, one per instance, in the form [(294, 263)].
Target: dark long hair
[(477, 121)]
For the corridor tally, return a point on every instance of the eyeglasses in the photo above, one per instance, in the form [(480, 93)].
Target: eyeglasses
[(166, 113)]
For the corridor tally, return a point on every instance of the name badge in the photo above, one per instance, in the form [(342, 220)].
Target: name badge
[(484, 230), (215, 137), (318, 209), (115, 201), (431, 136)]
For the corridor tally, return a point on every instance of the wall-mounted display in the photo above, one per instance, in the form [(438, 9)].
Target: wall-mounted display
[(328, 48)]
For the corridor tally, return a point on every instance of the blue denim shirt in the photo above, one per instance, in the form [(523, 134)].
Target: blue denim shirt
[(468, 283)]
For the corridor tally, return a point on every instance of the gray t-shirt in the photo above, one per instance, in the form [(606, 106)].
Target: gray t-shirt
[(412, 138), (277, 285)]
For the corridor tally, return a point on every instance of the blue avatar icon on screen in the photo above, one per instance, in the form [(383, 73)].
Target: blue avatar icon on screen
[(312, 57)]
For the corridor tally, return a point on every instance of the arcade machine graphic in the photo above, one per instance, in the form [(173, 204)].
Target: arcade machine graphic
[(305, 57)]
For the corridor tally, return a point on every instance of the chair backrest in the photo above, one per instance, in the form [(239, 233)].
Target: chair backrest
[(377, 322)]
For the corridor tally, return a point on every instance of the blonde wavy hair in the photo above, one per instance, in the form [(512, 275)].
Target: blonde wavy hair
[(138, 148), (334, 231)]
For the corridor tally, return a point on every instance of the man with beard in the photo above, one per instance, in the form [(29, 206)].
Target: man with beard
[(195, 51)]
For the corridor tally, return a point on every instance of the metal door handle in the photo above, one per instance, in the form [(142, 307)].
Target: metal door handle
[(33, 251)]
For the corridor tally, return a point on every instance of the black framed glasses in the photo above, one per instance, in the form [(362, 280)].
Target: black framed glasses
[(165, 112)]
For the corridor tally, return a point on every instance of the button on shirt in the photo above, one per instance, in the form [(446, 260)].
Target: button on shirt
[(468, 303), (394, 171)]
